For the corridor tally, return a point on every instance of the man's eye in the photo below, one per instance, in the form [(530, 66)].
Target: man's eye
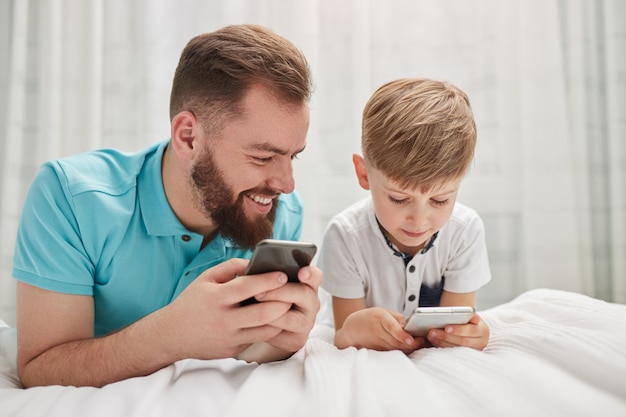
[(264, 160)]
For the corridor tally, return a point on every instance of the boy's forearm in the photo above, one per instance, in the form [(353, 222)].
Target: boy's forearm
[(342, 340), (132, 351)]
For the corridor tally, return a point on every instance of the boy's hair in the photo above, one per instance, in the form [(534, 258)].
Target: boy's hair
[(216, 69), (419, 132)]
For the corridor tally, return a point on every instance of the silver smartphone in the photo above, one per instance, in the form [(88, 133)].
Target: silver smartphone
[(426, 318), (280, 255)]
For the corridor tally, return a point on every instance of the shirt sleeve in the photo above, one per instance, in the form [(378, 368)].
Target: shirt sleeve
[(337, 261), (468, 267), (49, 252)]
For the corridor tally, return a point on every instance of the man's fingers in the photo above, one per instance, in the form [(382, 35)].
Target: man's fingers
[(311, 276), (260, 314), (241, 287), (226, 271), (249, 286)]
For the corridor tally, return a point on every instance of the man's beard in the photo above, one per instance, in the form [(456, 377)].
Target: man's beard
[(215, 198)]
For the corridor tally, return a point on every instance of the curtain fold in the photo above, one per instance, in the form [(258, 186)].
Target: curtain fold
[(614, 34), (545, 78), (13, 118)]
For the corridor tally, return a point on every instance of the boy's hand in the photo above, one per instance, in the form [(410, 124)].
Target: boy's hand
[(377, 328), (475, 334)]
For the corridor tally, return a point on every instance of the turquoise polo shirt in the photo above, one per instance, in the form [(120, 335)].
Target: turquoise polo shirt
[(99, 224)]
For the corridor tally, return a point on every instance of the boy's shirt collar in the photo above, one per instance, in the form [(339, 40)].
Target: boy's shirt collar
[(405, 256)]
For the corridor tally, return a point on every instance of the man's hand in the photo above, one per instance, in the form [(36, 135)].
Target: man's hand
[(293, 327), (475, 334), (376, 328), (206, 321)]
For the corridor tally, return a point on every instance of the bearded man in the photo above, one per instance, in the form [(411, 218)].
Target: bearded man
[(127, 263)]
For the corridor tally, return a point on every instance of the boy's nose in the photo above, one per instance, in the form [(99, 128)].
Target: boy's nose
[(419, 218)]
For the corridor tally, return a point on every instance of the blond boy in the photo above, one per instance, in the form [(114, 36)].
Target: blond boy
[(410, 243)]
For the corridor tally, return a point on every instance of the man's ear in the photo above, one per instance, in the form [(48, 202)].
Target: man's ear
[(184, 134), (361, 171)]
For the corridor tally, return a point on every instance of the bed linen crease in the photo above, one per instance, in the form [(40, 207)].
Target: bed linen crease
[(551, 353)]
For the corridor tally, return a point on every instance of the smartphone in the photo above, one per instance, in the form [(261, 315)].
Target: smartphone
[(287, 256), (426, 318)]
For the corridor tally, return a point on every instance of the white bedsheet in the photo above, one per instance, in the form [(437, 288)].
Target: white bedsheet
[(551, 353)]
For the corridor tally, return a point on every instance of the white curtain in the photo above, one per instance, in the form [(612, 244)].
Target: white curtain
[(546, 79)]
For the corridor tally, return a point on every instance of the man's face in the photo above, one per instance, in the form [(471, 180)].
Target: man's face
[(226, 208), (238, 177)]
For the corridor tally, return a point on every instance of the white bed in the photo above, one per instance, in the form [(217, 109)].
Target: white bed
[(551, 353)]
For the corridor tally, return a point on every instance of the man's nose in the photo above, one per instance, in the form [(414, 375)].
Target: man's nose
[(282, 178)]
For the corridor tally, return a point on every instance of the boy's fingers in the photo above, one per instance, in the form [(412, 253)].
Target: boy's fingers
[(393, 326)]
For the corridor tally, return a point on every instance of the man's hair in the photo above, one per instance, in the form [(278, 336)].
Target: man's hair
[(419, 132), (216, 69)]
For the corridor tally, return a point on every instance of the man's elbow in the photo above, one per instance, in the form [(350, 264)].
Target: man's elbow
[(26, 377), (29, 376)]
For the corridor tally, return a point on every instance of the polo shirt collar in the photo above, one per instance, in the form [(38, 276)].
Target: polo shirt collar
[(158, 217), (157, 214)]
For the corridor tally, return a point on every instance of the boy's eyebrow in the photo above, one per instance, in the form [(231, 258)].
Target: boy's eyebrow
[(437, 194), (446, 192)]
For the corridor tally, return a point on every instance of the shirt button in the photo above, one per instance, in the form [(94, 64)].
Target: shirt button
[(412, 297), (412, 268), (186, 238)]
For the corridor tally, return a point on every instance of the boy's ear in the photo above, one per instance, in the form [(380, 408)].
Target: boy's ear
[(361, 171), (184, 135)]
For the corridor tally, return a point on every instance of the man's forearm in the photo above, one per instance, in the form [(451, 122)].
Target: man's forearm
[(99, 361), (262, 352)]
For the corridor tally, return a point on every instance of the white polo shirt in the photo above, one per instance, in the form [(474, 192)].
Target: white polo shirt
[(357, 262)]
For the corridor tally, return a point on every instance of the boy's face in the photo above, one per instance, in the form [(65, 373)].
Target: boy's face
[(410, 218)]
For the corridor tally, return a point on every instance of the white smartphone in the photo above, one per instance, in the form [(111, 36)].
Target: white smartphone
[(426, 318), (280, 255)]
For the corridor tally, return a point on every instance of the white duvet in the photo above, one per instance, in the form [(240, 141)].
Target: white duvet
[(551, 353)]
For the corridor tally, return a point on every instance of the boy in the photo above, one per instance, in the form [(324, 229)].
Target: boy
[(410, 243)]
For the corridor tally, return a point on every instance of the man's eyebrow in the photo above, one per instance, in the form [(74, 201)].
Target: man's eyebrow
[(267, 147)]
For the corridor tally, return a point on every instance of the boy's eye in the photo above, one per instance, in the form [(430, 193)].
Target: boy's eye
[(440, 202), (396, 201)]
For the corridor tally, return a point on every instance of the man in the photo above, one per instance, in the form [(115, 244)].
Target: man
[(127, 263)]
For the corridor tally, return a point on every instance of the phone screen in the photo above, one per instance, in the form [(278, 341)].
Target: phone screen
[(280, 255)]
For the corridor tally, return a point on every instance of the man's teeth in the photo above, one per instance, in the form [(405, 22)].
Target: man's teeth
[(260, 200)]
